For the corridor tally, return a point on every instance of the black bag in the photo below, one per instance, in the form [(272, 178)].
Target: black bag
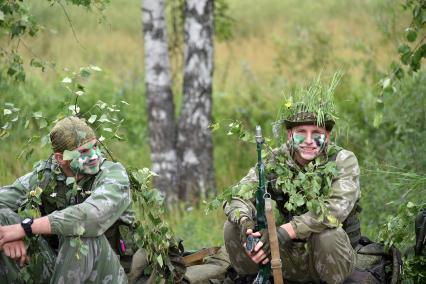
[(420, 232), (375, 265)]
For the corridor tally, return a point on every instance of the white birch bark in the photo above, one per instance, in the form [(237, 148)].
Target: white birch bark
[(159, 97), (194, 144)]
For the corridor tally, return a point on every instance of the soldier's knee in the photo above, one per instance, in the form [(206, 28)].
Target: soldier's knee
[(330, 240), (334, 258)]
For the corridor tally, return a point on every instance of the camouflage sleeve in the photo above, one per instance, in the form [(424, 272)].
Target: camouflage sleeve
[(110, 197), (13, 195), (237, 208), (345, 192)]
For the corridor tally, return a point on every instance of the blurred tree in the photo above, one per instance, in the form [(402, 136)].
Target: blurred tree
[(194, 144), (182, 155), (160, 105)]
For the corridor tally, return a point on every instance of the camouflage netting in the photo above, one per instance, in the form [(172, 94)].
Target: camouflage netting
[(70, 133)]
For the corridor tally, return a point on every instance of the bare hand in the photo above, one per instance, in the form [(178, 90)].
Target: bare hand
[(16, 250), (258, 255), (11, 233)]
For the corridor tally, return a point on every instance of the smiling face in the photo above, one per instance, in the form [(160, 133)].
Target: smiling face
[(308, 141)]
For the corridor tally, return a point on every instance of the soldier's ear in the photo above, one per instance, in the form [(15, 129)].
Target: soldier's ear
[(59, 157), (289, 133), (327, 136)]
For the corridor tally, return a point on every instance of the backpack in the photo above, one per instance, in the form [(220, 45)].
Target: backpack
[(420, 228), (375, 264)]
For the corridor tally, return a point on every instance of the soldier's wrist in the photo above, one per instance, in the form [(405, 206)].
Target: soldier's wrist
[(283, 235)]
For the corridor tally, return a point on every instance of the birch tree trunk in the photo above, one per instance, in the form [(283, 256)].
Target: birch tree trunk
[(194, 144), (159, 98)]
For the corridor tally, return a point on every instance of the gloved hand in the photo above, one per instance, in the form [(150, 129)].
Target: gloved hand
[(245, 224), (283, 238)]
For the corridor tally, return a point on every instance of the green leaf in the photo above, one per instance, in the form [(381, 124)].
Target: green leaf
[(387, 83), (92, 118), (67, 80), (70, 180), (37, 114), (69, 155), (84, 249), (107, 129), (80, 230), (81, 134), (7, 111), (160, 260), (404, 48), (104, 118), (411, 34), (45, 140), (42, 123), (37, 63), (95, 68)]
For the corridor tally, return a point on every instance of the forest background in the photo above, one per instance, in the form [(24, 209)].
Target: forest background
[(275, 46)]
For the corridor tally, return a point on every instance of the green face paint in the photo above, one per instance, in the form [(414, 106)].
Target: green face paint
[(319, 139), (298, 139), (88, 162)]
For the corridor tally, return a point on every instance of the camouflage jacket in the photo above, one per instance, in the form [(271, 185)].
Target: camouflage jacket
[(345, 192), (107, 201)]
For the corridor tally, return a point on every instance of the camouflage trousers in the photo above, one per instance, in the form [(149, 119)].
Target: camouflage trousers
[(327, 256), (99, 265)]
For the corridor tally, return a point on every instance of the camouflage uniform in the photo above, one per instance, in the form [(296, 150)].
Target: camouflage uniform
[(320, 251), (108, 202)]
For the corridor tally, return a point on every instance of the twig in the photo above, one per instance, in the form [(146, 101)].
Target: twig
[(70, 22)]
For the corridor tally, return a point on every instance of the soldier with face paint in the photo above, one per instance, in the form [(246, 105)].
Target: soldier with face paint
[(102, 200), (311, 249)]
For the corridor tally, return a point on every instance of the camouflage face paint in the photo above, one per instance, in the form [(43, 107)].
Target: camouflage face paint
[(319, 139), (298, 139), (88, 161)]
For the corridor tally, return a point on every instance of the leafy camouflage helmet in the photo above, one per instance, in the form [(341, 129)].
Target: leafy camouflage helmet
[(312, 105), (307, 118), (70, 133)]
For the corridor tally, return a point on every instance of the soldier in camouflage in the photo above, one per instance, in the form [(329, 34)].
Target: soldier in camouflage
[(68, 242), (312, 249)]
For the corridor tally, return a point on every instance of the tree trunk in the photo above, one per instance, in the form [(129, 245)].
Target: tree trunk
[(194, 144), (159, 98)]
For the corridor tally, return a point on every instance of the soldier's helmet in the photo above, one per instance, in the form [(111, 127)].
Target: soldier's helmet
[(311, 105), (70, 133)]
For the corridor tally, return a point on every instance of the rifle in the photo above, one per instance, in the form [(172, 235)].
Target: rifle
[(265, 219)]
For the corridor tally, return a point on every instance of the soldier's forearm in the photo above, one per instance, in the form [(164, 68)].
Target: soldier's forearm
[(41, 226), (290, 230)]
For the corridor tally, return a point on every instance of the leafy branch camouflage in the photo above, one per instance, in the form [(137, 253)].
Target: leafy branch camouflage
[(152, 232), (313, 103), (316, 178)]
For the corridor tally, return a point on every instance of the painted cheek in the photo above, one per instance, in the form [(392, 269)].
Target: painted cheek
[(319, 140), (298, 139)]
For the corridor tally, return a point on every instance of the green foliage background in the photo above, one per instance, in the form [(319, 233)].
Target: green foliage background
[(275, 46)]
